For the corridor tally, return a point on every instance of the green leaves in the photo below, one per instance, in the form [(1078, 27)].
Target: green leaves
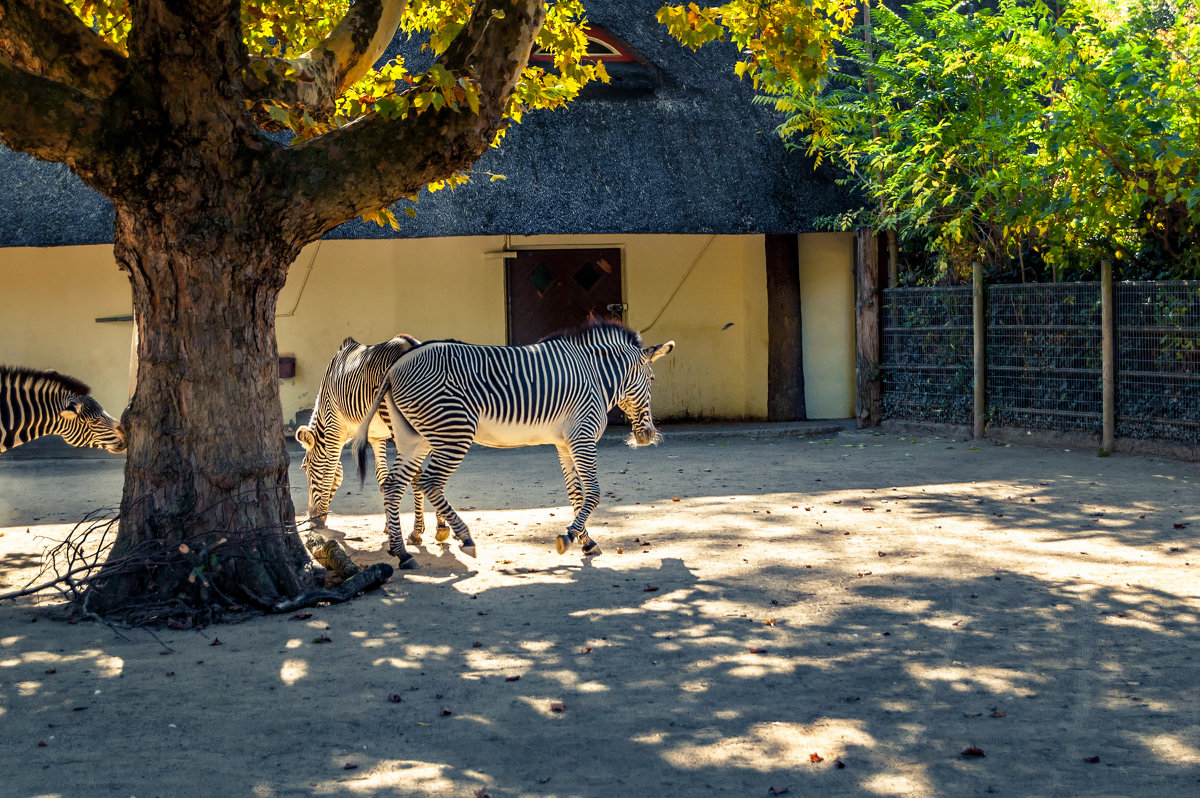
[(987, 134)]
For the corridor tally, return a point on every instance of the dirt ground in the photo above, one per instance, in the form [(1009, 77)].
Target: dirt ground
[(846, 615)]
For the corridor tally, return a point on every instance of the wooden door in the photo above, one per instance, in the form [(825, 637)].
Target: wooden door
[(550, 290)]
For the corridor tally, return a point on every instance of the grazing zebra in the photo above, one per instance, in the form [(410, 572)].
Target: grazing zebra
[(36, 403), (350, 384), (445, 395)]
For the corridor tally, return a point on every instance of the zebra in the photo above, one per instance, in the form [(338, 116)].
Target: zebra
[(37, 403), (445, 395), (350, 382)]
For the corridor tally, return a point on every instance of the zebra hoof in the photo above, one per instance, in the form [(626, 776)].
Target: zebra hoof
[(442, 534), (591, 549), (468, 548), (562, 543), (317, 521), (408, 563), (414, 539)]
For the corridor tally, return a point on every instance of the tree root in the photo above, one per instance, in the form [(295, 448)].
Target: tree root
[(365, 580)]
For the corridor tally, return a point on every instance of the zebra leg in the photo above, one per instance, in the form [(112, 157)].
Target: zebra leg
[(443, 529), (445, 458), (379, 450), (418, 511), (583, 458), (570, 476), (394, 485)]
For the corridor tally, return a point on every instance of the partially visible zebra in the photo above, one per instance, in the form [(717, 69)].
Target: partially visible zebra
[(37, 403), (350, 383), (445, 395)]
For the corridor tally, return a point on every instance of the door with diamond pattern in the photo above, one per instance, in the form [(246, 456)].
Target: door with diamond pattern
[(550, 290)]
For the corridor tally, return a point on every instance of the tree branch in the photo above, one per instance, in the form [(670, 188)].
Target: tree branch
[(317, 78), (376, 160), (47, 119), (44, 37)]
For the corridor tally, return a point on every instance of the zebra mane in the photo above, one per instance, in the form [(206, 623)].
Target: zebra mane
[(592, 326), (33, 376)]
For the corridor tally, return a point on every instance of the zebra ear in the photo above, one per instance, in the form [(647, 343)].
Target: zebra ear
[(653, 353), (305, 436)]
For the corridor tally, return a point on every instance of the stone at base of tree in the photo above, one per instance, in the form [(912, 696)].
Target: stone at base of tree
[(332, 555), (365, 580)]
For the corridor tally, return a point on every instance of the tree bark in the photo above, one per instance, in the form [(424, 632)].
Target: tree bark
[(206, 513)]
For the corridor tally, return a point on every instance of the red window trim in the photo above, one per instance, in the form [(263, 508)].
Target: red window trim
[(620, 55)]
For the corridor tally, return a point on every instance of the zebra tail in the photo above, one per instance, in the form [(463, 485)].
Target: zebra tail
[(364, 430)]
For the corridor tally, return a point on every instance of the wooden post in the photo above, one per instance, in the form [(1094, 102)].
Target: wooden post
[(868, 400), (1108, 354), (785, 337), (980, 334)]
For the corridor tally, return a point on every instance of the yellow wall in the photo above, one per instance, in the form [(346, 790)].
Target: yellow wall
[(827, 317), (707, 293), (52, 298)]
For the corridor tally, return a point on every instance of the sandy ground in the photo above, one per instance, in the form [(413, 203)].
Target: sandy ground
[(840, 616)]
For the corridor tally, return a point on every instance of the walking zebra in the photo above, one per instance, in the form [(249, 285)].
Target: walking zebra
[(350, 383), (36, 403), (445, 395)]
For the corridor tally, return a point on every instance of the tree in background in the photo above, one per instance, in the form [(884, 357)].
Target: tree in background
[(1024, 135), (164, 108)]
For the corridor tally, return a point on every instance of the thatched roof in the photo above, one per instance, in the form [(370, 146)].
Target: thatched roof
[(674, 145)]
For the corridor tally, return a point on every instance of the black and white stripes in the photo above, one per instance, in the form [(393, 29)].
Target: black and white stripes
[(445, 395), (37, 403), (350, 384)]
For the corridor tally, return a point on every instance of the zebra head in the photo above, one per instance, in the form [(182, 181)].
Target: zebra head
[(633, 396), (324, 472), (82, 422)]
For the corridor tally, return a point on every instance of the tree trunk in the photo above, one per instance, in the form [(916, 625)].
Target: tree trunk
[(206, 515)]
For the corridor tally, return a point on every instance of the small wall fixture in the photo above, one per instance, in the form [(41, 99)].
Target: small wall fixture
[(287, 368)]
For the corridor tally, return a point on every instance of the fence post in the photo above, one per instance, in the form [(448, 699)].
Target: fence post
[(868, 395), (980, 335), (1108, 356)]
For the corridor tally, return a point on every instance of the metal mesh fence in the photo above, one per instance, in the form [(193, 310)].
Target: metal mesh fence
[(1044, 356), (927, 348), (1158, 360)]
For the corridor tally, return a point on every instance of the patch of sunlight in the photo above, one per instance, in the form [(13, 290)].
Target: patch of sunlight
[(694, 686), (292, 671), (766, 745), (485, 661), (374, 642), (570, 679), (396, 662), (997, 680), (263, 790), (650, 738), (110, 666), (1170, 748), (11, 662), (359, 633), (541, 705), (947, 622), (11, 640), (393, 776), (537, 646), (295, 642), (480, 719), (27, 689), (898, 784)]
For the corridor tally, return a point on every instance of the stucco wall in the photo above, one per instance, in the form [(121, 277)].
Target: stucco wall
[(52, 298), (827, 317), (708, 293)]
